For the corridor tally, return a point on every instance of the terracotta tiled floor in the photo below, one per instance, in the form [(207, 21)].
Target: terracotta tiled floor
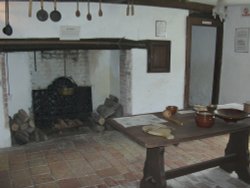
[(92, 160)]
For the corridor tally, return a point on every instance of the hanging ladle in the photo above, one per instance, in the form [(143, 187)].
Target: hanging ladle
[(42, 14), (7, 30), (132, 8), (30, 8), (127, 9), (100, 13), (78, 13), (55, 15), (89, 16)]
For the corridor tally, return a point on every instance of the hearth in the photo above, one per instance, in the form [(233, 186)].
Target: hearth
[(62, 105)]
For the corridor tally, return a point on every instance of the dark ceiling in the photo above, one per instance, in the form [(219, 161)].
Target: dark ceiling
[(182, 4)]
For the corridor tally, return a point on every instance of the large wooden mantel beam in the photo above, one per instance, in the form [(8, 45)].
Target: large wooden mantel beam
[(10, 45)]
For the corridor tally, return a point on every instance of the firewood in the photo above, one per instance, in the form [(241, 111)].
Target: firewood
[(60, 124), (57, 126), (78, 122), (98, 118), (32, 123), (23, 115), (17, 119), (14, 126), (69, 123), (22, 136), (30, 130), (101, 121), (24, 126)]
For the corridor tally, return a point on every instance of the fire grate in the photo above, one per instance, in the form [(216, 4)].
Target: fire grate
[(62, 99)]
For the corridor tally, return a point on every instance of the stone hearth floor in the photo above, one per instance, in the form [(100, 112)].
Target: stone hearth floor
[(108, 159)]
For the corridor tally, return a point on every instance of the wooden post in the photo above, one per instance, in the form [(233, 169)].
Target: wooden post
[(238, 144), (154, 173)]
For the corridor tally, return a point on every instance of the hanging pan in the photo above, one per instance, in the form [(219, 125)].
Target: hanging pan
[(89, 16), (42, 14), (7, 30), (55, 15), (77, 13)]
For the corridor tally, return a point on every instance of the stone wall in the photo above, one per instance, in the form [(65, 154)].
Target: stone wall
[(46, 66), (125, 81)]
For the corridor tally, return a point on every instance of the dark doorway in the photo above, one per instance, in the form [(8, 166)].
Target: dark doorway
[(203, 60)]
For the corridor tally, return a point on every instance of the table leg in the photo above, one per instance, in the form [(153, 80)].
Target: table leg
[(238, 144), (154, 173)]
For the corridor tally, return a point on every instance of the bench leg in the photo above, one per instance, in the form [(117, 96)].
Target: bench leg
[(154, 173), (238, 144)]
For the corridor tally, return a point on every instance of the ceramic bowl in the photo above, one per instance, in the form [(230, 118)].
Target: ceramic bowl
[(231, 115), (199, 108), (172, 109), (204, 119), (211, 108)]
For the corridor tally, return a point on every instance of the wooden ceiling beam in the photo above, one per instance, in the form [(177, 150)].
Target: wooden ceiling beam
[(181, 4)]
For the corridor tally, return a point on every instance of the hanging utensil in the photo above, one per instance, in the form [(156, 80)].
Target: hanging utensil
[(7, 30), (89, 16), (64, 64), (127, 9), (42, 15), (77, 13), (30, 8), (100, 13), (132, 8), (55, 15), (35, 63)]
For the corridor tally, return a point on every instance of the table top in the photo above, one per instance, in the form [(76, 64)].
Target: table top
[(189, 131)]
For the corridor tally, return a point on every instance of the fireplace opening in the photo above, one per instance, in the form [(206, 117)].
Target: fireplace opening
[(63, 105), (66, 89)]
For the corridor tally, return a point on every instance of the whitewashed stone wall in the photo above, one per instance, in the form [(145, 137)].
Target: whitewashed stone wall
[(4, 118), (46, 66), (125, 81)]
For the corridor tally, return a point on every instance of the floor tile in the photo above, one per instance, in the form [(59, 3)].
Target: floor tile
[(43, 169), (90, 180), (60, 170), (69, 183), (109, 159), (42, 178), (48, 185)]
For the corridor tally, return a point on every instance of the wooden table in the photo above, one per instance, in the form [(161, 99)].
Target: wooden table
[(236, 156)]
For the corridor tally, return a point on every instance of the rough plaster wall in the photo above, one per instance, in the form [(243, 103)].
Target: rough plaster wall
[(5, 140), (99, 75), (126, 81), (19, 82), (115, 73), (53, 64), (235, 74), (114, 23)]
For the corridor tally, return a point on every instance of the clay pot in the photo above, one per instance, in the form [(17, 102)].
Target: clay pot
[(247, 107), (172, 109), (204, 119)]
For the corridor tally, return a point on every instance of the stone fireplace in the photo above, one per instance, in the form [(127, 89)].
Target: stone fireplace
[(94, 75), (61, 88)]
